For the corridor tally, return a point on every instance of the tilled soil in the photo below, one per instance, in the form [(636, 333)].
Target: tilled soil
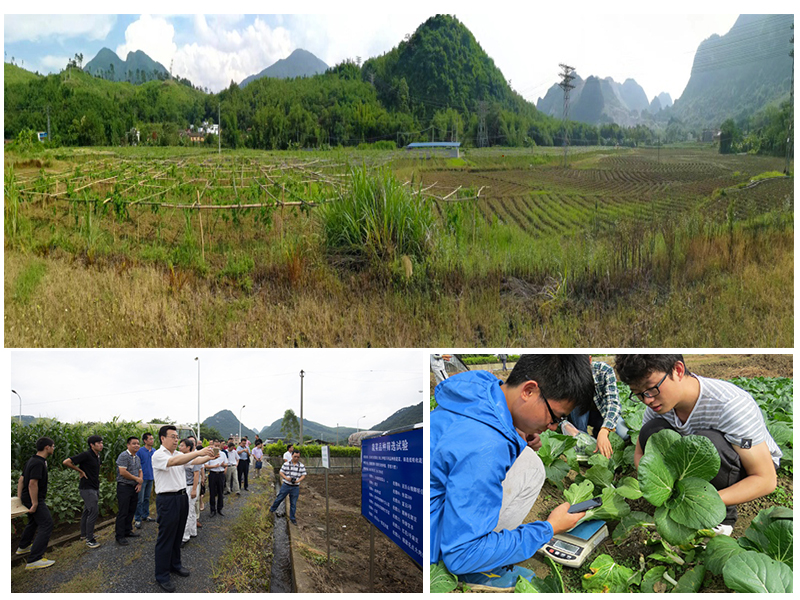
[(394, 571), (113, 568)]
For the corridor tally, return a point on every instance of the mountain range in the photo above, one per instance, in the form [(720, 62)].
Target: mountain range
[(595, 100), (227, 424), (300, 63), (137, 67)]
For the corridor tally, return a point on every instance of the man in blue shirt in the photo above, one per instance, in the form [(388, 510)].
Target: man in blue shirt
[(485, 474), (145, 455)]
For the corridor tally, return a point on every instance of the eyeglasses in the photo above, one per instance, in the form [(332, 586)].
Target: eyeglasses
[(556, 420), (174, 437), (651, 392)]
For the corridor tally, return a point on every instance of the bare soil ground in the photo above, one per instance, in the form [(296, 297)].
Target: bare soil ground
[(394, 571)]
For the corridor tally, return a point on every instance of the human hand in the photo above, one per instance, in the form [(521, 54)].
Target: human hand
[(563, 521), (138, 487), (82, 474), (194, 494), (32, 509), (534, 441), (603, 445)]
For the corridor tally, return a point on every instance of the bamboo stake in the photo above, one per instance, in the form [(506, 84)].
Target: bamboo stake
[(202, 241)]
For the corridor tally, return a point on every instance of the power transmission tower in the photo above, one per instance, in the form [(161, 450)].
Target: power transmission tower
[(49, 139), (566, 85), (483, 136), (790, 137)]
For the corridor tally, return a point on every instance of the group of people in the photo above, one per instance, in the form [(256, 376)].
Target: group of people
[(179, 471), (481, 492)]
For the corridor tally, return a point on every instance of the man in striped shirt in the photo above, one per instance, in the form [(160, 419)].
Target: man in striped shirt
[(718, 410), (292, 473)]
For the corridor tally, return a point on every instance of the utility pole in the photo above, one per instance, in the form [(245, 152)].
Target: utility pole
[(48, 124), (566, 85), (301, 406), (219, 130), (659, 150), (483, 136), (789, 136)]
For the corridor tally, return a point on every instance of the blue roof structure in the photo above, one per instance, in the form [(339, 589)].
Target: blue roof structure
[(434, 145)]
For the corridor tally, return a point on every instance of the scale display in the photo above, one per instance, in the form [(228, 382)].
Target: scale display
[(574, 547), (391, 488)]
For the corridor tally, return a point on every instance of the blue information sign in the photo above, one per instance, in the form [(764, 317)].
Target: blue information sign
[(391, 488)]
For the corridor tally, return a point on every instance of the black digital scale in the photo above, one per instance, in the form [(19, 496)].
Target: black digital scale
[(574, 547)]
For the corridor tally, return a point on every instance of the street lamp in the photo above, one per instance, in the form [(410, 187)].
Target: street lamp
[(357, 420), (199, 439), (240, 422), (20, 406)]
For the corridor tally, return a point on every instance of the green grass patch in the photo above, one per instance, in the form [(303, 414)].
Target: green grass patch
[(767, 175), (28, 281)]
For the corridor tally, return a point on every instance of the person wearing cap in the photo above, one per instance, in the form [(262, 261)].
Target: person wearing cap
[(172, 503)]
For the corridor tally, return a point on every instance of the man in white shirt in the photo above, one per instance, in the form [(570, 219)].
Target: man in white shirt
[(231, 481), (172, 504), (287, 456), (216, 479)]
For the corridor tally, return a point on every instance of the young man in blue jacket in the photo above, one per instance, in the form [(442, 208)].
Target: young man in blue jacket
[(485, 473)]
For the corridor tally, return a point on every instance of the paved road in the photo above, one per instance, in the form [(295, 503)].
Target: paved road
[(113, 568)]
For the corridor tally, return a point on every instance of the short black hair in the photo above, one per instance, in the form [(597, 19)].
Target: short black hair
[(93, 439), (43, 442), (188, 443), (133, 437), (560, 377), (633, 368), (289, 447), (231, 445), (162, 433), (146, 436), (296, 451)]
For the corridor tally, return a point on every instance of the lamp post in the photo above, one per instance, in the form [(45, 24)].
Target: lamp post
[(302, 374), (357, 420), (20, 406), (199, 439), (240, 422)]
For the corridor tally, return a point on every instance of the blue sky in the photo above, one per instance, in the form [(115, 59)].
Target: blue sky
[(211, 50)]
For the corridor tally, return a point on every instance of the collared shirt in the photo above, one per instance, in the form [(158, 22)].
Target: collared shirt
[(292, 470), (243, 453), (233, 457), (131, 463), (287, 456), (190, 471), (258, 453), (146, 458), (606, 396), (217, 465), (167, 479), (88, 462)]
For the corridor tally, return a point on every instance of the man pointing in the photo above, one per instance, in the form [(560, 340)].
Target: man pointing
[(172, 503)]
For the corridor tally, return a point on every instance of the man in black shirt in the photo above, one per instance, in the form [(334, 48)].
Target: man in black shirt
[(87, 464), (129, 482), (32, 490)]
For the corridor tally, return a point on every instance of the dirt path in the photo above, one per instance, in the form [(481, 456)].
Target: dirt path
[(349, 571), (130, 569)]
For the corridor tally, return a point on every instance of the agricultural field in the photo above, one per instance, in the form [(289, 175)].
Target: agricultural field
[(141, 247), (649, 548)]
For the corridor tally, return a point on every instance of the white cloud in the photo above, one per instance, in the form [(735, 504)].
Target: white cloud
[(33, 28), (52, 63), (152, 35), (222, 54)]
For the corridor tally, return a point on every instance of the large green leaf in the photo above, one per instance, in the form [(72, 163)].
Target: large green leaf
[(780, 432), (653, 581), (673, 532), (753, 572), (655, 479), (691, 580), (572, 459), (661, 441), (557, 472), (666, 553), (628, 455), (442, 581), (607, 576), (719, 551), (552, 584), (701, 506), (614, 507), (600, 476), (780, 545), (628, 488), (693, 456), (579, 492), (553, 446), (598, 459), (771, 532)]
